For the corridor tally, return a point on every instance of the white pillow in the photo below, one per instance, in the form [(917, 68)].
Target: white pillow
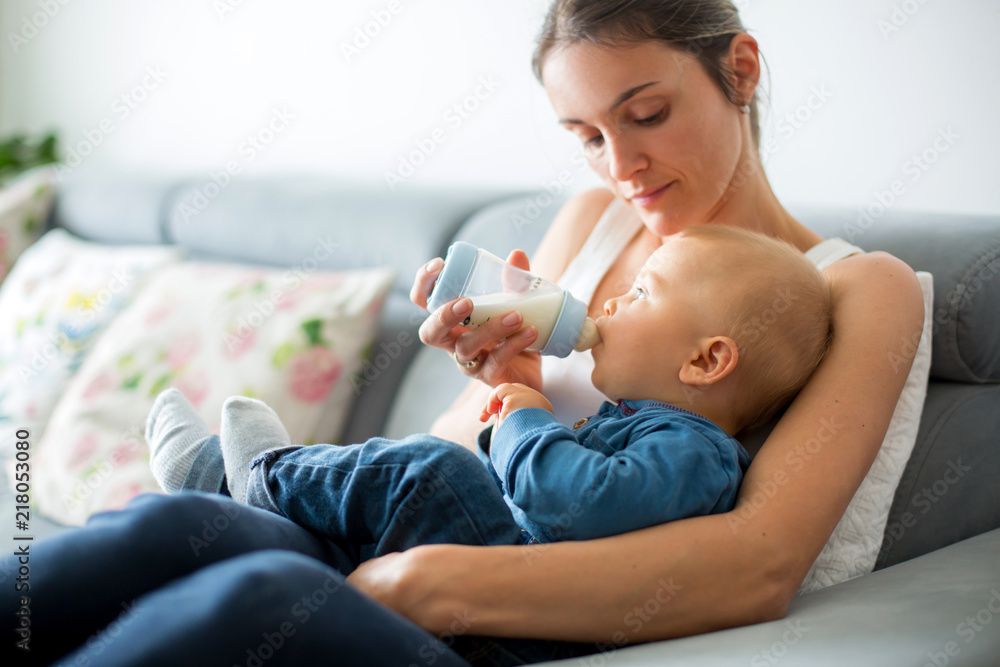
[(854, 545), (62, 293), (24, 207), (211, 331)]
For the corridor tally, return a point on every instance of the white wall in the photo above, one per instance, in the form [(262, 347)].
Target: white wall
[(225, 72)]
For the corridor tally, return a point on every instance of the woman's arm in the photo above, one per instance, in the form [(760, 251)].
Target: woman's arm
[(704, 573), (508, 362)]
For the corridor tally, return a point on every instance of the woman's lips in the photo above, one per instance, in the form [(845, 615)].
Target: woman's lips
[(651, 196)]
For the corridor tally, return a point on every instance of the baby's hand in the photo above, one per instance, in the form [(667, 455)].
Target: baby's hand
[(508, 397)]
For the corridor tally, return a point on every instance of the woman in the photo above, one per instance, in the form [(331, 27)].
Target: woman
[(663, 96), (668, 120)]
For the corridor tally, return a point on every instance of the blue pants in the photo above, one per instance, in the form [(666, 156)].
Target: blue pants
[(199, 579), (386, 495)]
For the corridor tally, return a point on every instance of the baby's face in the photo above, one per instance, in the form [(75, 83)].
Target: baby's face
[(648, 333)]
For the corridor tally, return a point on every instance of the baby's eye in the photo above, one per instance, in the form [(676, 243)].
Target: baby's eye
[(640, 293)]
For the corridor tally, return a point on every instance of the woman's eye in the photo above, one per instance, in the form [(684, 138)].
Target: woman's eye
[(594, 143), (650, 120)]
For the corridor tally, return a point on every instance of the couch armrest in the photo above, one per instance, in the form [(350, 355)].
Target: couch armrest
[(942, 608)]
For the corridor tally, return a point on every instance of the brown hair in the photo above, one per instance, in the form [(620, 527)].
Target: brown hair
[(780, 315), (701, 28)]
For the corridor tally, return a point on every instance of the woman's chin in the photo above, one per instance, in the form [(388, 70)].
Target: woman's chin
[(663, 222)]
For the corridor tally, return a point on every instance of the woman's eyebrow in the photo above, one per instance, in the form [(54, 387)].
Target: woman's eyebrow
[(621, 99)]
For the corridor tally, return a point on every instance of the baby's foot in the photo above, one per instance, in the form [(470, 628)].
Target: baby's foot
[(175, 433), (249, 428)]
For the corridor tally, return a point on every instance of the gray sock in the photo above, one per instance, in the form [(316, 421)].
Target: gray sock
[(175, 433), (249, 428)]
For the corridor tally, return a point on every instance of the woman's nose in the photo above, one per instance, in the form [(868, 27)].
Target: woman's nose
[(623, 159)]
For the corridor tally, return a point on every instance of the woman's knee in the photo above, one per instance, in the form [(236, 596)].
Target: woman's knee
[(282, 586), (158, 521)]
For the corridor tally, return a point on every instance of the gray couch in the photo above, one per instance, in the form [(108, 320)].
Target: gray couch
[(938, 574)]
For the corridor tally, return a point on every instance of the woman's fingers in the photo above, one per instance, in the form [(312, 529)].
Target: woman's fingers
[(424, 281), (438, 329), (503, 353), (486, 337), (519, 259)]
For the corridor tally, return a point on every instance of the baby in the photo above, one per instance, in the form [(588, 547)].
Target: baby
[(721, 327)]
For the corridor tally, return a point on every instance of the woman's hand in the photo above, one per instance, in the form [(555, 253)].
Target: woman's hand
[(496, 346), (400, 582)]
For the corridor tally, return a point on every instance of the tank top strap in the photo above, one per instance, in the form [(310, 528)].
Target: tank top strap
[(831, 250), (613, 231)]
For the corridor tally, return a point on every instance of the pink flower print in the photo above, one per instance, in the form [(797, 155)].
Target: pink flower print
[(194, 386), (125, 453), (324, 283), (97, 386), (3, 240), (183, 350), (375, 307), (82, 451), (237, 341), (290, 299), (159, 313), (119, 498), (313, 374)]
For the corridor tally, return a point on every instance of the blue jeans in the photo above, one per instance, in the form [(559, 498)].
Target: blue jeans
[(386, 495)]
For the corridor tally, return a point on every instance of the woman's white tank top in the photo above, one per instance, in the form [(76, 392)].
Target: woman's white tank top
[(566, 382)]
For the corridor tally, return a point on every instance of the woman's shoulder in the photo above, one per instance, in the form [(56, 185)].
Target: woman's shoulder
[(569, 231), (876, 290)]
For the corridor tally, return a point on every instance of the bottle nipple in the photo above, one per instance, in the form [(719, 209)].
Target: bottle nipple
[(589, 337)]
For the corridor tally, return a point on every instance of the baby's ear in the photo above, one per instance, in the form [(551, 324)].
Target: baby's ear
[(712, 360)]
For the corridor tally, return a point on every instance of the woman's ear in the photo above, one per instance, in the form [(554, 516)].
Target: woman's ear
[(744, 63), (712, 360)]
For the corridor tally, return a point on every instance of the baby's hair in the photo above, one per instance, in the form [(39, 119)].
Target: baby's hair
[(780, 316)]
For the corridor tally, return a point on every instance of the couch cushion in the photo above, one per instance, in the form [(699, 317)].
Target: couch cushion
[(311, 222), (54, 307), (112, 207), (211, 331), (963, 253), (949, 490)]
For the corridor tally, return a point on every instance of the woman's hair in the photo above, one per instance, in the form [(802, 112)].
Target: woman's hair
[(701, 28), (779, 314)]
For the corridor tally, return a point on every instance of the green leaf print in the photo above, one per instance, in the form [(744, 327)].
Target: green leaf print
[(314, 332), (160, 385), (282, 355), (30, 225), (366, 352), (125, 360), (132, 381)]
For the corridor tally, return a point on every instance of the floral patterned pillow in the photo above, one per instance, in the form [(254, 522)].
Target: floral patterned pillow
[(62, 293), (24, 207), (211, 331)]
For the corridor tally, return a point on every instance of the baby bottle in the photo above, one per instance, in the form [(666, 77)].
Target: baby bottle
[(497, 287)]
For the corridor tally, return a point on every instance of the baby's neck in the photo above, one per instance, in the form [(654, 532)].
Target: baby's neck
[(700, 401)]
